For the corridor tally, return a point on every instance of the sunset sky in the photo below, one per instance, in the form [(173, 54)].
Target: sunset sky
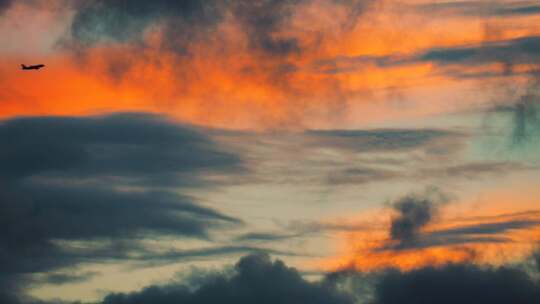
[(270, 151)]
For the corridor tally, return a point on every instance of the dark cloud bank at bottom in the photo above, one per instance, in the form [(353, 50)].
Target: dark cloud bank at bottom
[(258, 279)]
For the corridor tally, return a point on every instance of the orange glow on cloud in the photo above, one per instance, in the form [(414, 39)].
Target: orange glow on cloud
[(362, 250), (222, 83)]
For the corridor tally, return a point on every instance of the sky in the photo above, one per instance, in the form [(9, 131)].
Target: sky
[(270, 151)]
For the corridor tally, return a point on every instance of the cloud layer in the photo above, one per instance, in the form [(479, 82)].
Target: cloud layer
[(104, 182), (256, 278)]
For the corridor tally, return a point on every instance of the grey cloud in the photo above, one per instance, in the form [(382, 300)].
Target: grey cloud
[(486, 232), (4, 5), (175, 255), (472, 170), (361, 176), (306, 228), (255, 279), (513, 125), (462, 283), (186, 21), (67, 278), (127, 20), (135, 147), (379, 139), (480, 8), (262, 19), (183, 21), (488, 228), (264, 237), (526, 121), (103, 182), (514, 51), (453, 61), (412, 213)]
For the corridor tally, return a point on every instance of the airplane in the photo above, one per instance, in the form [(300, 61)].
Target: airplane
[(32, 67)]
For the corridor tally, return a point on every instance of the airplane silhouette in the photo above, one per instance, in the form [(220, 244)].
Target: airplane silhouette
[(32, 67)]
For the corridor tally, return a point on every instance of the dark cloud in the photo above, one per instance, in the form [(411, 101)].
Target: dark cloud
[(133, 148), (361, 175), (4, 5), (526, 119), (472, 170), (480, 8), (452, 60), (514, 51), (67, 278), (536, 259), (207, 253), (513, 125), (458, 284), (489, 230), (387, 140), (412, 213), (33, 217), (256, 279), (306, 228), (127, 20), (184, 21), (262, 19), (103, 182), (264, 237)]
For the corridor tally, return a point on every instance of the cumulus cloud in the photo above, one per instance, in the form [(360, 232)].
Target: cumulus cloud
[(413, 212), (256, 279), (458, 284)]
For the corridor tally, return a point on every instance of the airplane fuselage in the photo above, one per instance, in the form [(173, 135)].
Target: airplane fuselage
[(32, 67)]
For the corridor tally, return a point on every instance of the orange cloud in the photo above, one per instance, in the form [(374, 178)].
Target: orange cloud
[(494, 235), (221, 82)]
